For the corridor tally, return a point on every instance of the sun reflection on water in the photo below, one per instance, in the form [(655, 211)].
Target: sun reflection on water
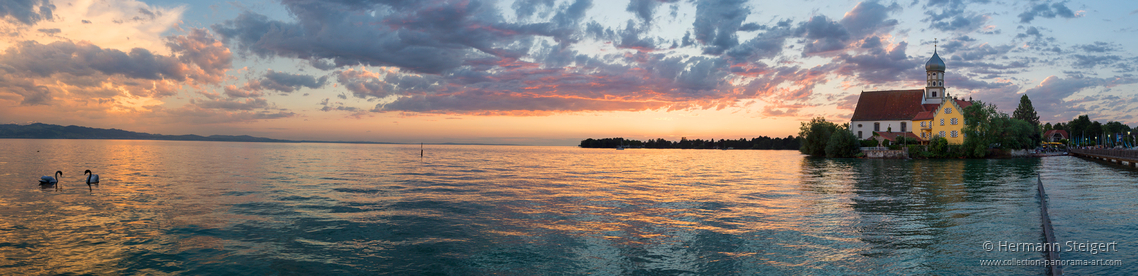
[(239, 208)]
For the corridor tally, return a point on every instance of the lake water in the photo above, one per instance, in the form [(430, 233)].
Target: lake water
[(172, 207)]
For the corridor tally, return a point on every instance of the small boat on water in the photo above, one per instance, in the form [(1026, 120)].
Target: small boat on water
[(620, 147)]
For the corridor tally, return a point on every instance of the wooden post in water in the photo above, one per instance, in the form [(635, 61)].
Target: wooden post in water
[(420, 150), (1048, 231)]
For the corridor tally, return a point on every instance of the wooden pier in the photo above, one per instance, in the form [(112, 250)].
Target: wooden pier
[(1123, 157)]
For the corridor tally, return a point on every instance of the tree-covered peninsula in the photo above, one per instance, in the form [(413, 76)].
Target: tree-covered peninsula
[(761, 142)]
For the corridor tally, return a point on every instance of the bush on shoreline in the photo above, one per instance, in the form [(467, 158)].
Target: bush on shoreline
[(822, 138)]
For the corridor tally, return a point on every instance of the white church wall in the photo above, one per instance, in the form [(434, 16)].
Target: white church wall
[(866, 127)]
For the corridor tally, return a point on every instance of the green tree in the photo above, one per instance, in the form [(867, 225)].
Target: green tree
[(915, 151), (1026, 112), (1061, 126), (1116, 127), (842, 143), (1019, 135), (1094, 132), (815, 135), (1078, 127), (979, 129), (904, 141), (1113, 129), (938, 147), (988, 128)]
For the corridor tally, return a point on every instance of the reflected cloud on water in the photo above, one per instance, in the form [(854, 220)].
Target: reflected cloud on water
[(239, 208)]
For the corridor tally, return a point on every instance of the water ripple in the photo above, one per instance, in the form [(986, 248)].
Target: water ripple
[(250, 208)]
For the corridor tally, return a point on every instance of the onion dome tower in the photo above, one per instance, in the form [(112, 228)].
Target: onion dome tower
[(934, 71)]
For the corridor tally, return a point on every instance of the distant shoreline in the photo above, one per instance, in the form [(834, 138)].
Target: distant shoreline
[(281, 142), (49, 131), (758, 143), (677, 148)]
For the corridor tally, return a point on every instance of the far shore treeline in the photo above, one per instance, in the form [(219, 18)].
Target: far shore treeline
[(761, 142)]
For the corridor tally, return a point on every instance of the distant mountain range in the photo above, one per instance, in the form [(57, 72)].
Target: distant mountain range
[(46, 131)]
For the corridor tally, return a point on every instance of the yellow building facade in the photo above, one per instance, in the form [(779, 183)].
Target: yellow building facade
[(923, 128), (948, 121)]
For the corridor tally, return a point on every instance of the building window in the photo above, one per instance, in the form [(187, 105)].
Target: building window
[(923, 135), (934, 93), (877, 127), (942, 122), (859, 133), (858, 125), (941, 133), (904, 125), (954, 121), (953, 134), (947, 110)]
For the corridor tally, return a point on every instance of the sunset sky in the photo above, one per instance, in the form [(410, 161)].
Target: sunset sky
[(544, 72)]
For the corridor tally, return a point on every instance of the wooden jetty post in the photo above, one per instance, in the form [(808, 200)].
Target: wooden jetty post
[(1048, 232)]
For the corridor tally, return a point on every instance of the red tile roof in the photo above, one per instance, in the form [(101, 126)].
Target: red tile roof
[(888, 105), (924, 115), (1053, 132), (963, 104)]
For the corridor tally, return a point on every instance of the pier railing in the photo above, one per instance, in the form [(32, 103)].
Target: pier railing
[(1121, 153)]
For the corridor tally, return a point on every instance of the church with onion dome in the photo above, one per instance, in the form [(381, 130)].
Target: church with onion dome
[(919, 114)]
